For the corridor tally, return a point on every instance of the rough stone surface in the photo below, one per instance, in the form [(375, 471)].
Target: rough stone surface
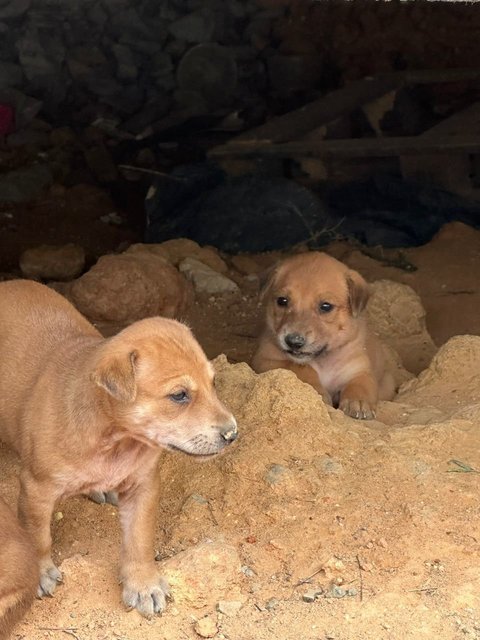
[(50, 262), (203, 574), (229, 607), (206, 627), (397, 316), (23, 185), (130, 287), (205, 279), (180, 248), (452, 381)]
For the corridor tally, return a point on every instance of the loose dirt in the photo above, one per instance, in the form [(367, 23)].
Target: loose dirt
[(380, 519)]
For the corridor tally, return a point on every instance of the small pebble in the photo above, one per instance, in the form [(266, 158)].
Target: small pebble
[(311, 595), (336, 592), (271, 604), (229, 607), (250, 573), (206, 627)]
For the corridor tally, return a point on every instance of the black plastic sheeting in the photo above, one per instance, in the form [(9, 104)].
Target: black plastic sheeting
[(259, 213)]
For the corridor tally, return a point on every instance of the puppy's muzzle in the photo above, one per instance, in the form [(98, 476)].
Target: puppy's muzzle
[(229, 432), (295, 341)]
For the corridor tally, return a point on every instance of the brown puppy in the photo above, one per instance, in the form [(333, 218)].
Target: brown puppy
[(88, 414), (315, 327), (18, 571)]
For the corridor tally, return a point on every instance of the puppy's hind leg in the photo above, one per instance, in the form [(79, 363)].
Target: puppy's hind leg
[(35, 507), (18, 571)]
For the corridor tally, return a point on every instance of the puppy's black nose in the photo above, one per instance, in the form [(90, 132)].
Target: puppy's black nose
[(230, 432), (294, 341)]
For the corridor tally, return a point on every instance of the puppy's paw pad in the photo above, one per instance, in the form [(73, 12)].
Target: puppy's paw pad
[(49, 579), (149, 600), (104, 497), (358, 409)]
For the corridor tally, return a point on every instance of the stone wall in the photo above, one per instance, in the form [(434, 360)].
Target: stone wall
[(138, 61)]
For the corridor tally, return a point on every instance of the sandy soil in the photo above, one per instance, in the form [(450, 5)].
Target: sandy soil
[(374, 517)]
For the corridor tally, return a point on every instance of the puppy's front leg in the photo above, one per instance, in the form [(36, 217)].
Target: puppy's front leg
[(35, 507), (358, 398), (143, 587)]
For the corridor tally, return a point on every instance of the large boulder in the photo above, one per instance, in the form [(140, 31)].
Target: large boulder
[(127, 287), (51, 262)]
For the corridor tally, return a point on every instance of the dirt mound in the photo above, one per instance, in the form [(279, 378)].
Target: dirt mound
[(364, 517), (452, 381)]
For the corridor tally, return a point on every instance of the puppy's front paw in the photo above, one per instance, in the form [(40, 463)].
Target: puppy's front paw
[(147, 598), (50, 577), (359, 409)]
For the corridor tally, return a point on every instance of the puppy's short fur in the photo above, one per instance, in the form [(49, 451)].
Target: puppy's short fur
[(18, 571), (315, 326), (88, 414)]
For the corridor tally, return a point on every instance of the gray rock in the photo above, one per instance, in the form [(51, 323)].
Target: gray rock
[(248, 571), (271, 604), (195, 27), (14, 9), (143, 46), (311, 595), (129, 22), (205, 279), (96, 14), (26, 108), (11, 75), (101, 164), (126, 67), (89, 56), (209, 70), (328, 465), (53, 262), (275, 473), (29, 137), (161, 63), (23, 185), (229, 608), (152, 111)]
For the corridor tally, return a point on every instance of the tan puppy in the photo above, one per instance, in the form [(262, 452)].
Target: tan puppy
[(88, 414), (18, 571), (316, 328)]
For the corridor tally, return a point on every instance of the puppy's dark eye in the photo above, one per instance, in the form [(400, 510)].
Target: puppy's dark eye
[(282, 301), (180, 397), (325, 307)]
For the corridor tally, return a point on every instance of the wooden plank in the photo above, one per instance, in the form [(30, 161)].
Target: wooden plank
[(438, 76), (449, 171), (299, 122), (463, 121), (353, 148)]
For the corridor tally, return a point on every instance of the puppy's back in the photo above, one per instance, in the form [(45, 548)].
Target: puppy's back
[(18, 571), (27, 306), (39, 329)]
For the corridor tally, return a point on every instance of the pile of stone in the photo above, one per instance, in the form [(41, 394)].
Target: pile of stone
[(135, 61)]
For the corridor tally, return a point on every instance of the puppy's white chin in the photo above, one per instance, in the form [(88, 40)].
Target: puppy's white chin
[(299, 357)]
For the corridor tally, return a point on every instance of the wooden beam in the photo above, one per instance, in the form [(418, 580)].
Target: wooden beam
[(296, 124), (299, 122), (353, 148)]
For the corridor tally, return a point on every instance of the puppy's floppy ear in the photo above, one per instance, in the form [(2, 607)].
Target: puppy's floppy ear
[(266, 280), (358, 293), (116, 374)]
